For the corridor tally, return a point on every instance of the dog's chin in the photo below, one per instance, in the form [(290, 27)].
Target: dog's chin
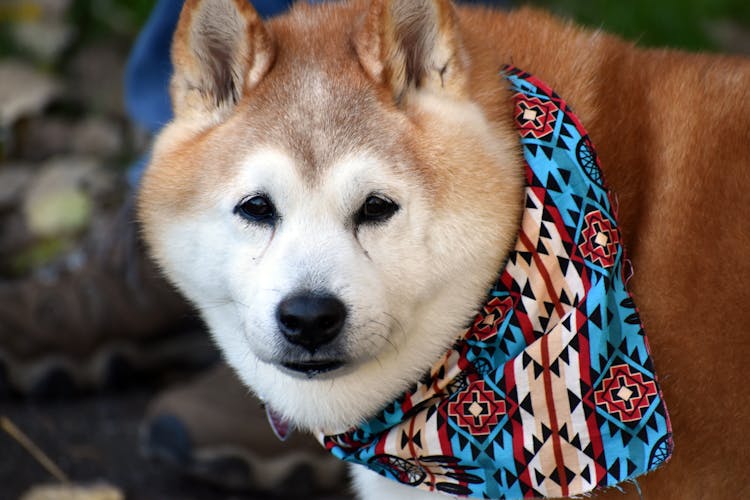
[(322, 368), (327, 363), (330, 394)]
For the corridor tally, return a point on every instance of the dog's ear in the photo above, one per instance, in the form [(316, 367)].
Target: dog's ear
[(220, 50), (412, 45)]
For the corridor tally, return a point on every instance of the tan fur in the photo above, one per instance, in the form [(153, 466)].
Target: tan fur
[(236, 51), (673, 133)]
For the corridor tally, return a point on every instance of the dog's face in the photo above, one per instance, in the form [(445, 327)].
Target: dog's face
[(329, 196)]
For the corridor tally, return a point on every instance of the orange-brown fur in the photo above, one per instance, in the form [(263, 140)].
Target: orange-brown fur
[(673, 134)]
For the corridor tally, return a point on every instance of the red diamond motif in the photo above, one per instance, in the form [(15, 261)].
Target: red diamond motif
[(600, 239), (489, 318), (477, 409), (625, 394), (535, 117)]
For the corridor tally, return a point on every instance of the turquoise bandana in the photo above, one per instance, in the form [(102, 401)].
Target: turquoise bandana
[(551, 391)]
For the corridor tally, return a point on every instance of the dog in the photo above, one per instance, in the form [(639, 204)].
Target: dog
[(318, 193)]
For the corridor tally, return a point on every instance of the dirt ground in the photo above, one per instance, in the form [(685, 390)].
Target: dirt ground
[(94, 438)]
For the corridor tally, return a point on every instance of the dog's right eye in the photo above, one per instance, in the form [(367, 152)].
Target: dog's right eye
[(375, 209), (257, 208)]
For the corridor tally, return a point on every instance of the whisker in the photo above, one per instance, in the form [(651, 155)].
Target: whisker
[(215, 306), (397, 323), (380, 363), (241, 303), (386, 338)]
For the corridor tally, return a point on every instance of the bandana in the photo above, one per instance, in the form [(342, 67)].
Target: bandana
[(551, 391)]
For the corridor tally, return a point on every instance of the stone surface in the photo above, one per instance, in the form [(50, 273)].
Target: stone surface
[(13, 182), (23, 91), (60, 198), (42, 137), (97, 137), (46, 9), (94, 438), (73, 492), (14, 238), (45, 40), (40, 28), (96, 76)]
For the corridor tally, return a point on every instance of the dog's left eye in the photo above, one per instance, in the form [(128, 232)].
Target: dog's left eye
[(257, 209), (376, 208)]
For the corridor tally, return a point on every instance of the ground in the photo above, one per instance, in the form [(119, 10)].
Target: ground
[(94, 438)]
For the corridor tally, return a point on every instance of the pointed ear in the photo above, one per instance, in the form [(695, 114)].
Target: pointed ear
[(220, 50), (413, 45)]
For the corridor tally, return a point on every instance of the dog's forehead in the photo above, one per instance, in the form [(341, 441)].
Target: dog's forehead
[(316, 102), (318, 120)]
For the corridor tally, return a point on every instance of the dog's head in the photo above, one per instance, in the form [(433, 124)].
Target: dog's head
[(330, 196)]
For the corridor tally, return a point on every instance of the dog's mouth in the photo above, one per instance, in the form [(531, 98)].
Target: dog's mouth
[(313, 368)]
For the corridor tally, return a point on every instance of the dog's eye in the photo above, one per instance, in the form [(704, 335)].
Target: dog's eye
[(376, 208), (256, 209)]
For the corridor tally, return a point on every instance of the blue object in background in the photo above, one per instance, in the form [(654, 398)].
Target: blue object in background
[(149, 66)]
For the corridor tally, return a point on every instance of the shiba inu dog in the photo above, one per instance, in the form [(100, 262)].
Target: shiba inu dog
[(323, 194)]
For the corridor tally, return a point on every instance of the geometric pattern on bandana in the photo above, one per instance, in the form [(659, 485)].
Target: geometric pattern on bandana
[(551, 391)]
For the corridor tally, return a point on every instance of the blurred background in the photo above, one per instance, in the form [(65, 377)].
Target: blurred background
[(66, 143), (708, 25)]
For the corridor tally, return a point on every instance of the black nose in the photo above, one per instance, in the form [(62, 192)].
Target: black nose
[(309, 320)]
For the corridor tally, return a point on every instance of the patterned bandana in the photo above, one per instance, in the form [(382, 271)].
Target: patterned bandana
[(551, 391)]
